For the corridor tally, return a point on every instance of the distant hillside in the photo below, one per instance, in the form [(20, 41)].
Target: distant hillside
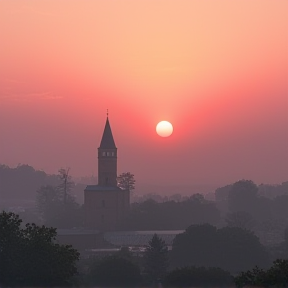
[(22, 182), (19, 185)]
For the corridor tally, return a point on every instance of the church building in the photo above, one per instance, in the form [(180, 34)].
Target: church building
[(105, 204)]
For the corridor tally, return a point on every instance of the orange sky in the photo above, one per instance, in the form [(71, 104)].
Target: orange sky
[(217, 70)]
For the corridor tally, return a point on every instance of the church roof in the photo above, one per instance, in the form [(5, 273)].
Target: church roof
[(102, 188), (107, 141)]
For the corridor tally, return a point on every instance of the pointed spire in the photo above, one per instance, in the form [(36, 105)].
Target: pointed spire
[(107, 141)]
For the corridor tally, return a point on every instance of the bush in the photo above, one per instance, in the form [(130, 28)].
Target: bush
[(30, 257), (198, 276), (114, 271)]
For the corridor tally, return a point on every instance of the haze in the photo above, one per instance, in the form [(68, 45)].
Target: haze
[(217, 70)]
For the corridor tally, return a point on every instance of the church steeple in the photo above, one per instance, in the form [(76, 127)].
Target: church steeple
[(107, 158), (107, 138)]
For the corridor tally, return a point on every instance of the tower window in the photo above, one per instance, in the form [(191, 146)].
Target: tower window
[(108, 153), (103, 153), (112, 153)]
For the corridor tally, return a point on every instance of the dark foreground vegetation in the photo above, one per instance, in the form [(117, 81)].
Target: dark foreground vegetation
[(114, 271), (30, 256), (229, 248), (198, 276), (276, 276)]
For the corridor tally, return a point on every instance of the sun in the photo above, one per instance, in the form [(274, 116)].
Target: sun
[(164, 129)]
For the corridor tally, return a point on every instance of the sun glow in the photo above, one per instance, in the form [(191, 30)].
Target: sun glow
[(164, 129)]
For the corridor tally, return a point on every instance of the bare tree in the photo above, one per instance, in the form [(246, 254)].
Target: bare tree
[(66, 183), (56, 206)]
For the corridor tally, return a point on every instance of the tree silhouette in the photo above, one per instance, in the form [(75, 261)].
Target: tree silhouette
[(114, 271), (240, 219), (156, 259), (198, 276), (171, 215), (66, 184), (205, 245), (54, 212), (47, 201), (126, 181), (276, 276), (242, 196), (21, 182), (30, 257), (56, 205)]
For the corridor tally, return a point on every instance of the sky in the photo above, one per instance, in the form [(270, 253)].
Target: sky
[(217, 70)]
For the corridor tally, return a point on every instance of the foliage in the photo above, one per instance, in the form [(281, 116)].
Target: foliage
[(250, 210), (156, 259), (66, 185), (243, 245), (242, 196), (278, 273), (229, 248), (279, 206), (54, 211), (171, 215), (276, 276), (56, 205), (47, 201), (240, 219), (197, 198), (196, 246), (30, 257), (286, 236), (198, 276), (124, 253), (221, 193), (272, 191), (126, 181), (265, 204), (22, 181), (114, 271)]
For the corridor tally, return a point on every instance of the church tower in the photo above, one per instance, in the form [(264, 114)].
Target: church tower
[(105, 204), (107, 158)]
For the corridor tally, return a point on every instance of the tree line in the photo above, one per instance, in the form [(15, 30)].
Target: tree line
[(201, 256), (242, 204), (171, 215)]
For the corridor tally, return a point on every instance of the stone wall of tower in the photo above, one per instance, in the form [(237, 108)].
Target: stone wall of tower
[(107, 167), (106, 210)]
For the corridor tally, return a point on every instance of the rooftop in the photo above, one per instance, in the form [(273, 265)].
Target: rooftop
[(139, 238), (102, 188), (107, 141)]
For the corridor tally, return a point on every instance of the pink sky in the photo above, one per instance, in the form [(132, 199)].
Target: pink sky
[(217, 70)]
